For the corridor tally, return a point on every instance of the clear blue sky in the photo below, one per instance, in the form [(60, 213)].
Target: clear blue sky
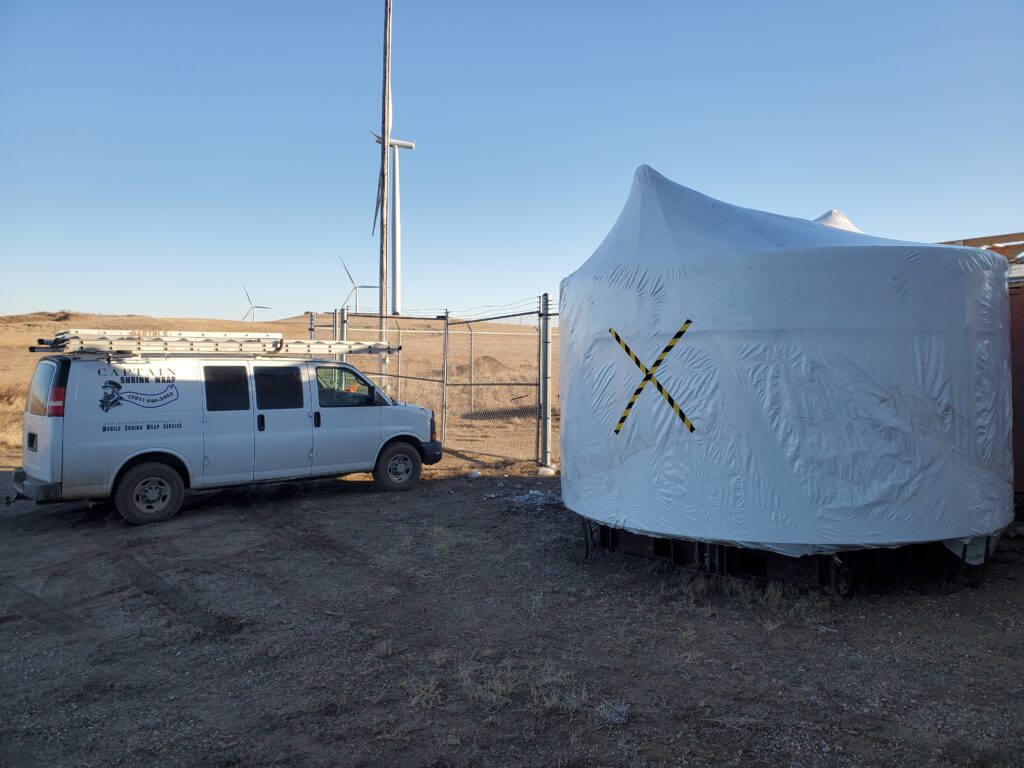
[(153, 155)]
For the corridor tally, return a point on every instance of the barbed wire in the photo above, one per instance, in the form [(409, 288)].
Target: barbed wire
[(483, 310)]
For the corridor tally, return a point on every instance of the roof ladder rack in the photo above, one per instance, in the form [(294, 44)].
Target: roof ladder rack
[(127, 343)]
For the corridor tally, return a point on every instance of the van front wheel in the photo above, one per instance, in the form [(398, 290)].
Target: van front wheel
[(149, 493), (398, 467)]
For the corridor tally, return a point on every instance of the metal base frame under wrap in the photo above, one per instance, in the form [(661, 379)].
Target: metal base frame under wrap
[(862, 569)]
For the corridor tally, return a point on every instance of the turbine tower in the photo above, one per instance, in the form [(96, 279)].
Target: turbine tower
[(396, 224)]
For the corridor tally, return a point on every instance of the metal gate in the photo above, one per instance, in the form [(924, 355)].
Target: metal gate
[(487, 375)]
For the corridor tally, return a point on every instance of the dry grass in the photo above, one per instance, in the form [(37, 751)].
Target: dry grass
[(443, 540), (611, 714), (776, 604), (425, 693), (556, 691), (12, 405), (544, 688), (486, 683)]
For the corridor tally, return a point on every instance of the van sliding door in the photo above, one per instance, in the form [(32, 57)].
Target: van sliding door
[(284, 421), (228, 445)]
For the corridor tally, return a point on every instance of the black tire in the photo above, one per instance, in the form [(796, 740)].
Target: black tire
[(149, 493), (398, 467)]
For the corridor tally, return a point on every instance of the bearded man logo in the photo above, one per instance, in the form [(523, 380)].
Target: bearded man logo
[(111, 395)]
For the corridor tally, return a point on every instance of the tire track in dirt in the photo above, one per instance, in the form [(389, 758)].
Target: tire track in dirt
[(331, 591), (299, 531), (55, 619), (159, 569), (162, 569), (44, 588), (175, 597)]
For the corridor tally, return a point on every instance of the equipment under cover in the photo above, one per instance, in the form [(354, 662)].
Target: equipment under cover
[(740, 377)]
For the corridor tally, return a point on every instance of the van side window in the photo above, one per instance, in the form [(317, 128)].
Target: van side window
[(339, 388), (277, 388), (227, 387)]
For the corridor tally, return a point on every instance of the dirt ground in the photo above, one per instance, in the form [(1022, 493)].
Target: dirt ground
[(328, 624)]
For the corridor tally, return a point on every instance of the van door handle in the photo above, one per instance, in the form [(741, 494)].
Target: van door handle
[(261, 423), (316, 418)]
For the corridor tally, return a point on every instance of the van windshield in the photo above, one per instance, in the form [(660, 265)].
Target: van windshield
[(39, 390)]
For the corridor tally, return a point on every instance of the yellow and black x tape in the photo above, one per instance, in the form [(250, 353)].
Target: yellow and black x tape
[(649, 376)]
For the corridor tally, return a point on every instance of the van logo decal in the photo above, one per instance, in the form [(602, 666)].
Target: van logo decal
[(115, 397)]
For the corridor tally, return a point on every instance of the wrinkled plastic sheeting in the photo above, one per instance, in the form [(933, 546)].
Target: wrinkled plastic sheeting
[(846, 391)]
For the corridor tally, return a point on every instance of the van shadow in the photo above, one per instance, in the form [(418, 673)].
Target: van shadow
[(245, 496), (26, 516)]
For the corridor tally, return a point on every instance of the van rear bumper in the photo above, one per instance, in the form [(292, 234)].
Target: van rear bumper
[(432, 452), (31, 488)]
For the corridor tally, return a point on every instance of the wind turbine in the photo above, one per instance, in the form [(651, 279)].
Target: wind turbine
[(355, 288), (252, 307), (396, 220)]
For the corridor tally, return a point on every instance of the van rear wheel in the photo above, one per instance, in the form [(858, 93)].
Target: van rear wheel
[(149, 493), (398, 467)]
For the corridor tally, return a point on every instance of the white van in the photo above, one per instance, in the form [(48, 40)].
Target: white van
[(143, 429)]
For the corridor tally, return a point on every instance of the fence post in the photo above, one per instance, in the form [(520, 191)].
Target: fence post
[(335, 330), (472, 389), (444, 382), (545, 429), (343, 330), (383, 361), (312, 324), (540, 379), (399, 375)]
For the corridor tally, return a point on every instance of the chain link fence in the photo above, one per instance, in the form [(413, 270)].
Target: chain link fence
[(493, 400), (482, 373)]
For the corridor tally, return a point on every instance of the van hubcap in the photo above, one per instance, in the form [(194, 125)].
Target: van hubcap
[(399, 468), (151, 494)]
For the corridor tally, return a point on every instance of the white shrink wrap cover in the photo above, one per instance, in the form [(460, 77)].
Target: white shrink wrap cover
[(838, 220), (845, 391)]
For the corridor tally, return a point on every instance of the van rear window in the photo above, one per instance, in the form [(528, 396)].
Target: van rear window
[(277, 388), (39, 390), (227, 387)]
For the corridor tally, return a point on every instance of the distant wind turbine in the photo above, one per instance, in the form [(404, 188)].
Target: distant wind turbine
[(355, 288), (252, 307)]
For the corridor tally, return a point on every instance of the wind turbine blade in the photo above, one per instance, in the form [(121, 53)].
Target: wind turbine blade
[(246, 315), (380, 200), (247, 296), (260, 306), (345, 267)]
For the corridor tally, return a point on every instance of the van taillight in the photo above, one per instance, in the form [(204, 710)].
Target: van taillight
[(55, 402)]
